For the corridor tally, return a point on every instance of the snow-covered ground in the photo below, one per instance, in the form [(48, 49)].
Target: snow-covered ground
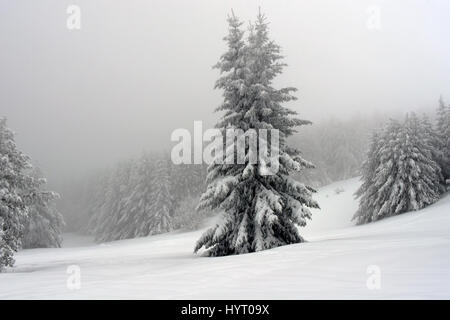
[(411, 252)]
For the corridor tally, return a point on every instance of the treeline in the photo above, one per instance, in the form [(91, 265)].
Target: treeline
[(407, 166), (28, 215), (140, 197), (337, 147), (104, 204)]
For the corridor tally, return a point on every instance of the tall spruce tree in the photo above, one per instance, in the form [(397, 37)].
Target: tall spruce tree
[(260, 211), (13, 208)]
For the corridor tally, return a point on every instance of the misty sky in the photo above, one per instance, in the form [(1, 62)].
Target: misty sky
[(137, 70)]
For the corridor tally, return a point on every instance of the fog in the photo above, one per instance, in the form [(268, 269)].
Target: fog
[(137, 70)]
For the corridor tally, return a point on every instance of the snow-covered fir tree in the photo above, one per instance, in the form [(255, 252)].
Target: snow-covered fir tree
[(44, 223), (140, 199), (113, 209), (162, 206), (13, 208), (260, 211), (367, 190), (96, 189), (406, 177), (434, 142), (443, 132), (118, 229)]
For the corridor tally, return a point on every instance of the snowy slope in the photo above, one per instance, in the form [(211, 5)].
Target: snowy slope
[(412, 252)]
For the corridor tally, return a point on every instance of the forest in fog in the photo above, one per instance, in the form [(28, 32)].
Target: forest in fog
[(306, 144), (338, 148)]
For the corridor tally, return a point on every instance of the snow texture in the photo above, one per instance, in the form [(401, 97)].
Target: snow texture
[(411, 251)]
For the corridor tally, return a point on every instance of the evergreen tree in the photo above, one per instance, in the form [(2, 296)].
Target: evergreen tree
[(96, 189), (434, 143), (120, 216), (13, 209), (367, 190), (44, 223), (162, 207), (443, 132), (136, 200), (441, 119), (406, 177), (110, 210), (143, 196), (260, 211)]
